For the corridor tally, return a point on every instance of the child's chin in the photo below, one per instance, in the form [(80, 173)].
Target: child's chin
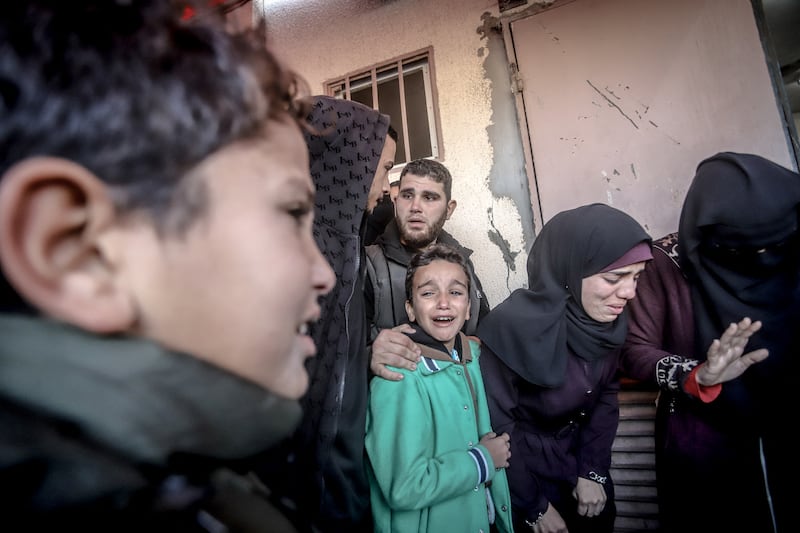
[(445, 335)]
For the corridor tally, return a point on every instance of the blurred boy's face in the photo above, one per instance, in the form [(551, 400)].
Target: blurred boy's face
[(240, 286), (440, 300)]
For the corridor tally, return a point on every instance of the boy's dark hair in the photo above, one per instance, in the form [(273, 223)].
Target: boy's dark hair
[(431, 169), (434, 252), (134, 94), (137, 96)]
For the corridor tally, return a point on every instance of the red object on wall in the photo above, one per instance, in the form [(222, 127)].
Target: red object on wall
[(189, 11)]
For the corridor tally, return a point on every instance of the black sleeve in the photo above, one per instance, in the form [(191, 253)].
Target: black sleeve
[(484, 303), (369, 298)]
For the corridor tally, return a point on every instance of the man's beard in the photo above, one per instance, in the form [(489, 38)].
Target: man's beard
[(419, 240)]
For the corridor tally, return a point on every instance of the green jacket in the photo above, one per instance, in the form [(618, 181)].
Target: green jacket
[(427, 471)]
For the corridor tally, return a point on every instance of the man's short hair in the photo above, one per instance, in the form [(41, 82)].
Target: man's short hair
[(429, 168)]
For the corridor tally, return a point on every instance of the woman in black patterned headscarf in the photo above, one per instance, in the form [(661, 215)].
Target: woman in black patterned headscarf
[(549, 364), (324, 470), (732, 270)]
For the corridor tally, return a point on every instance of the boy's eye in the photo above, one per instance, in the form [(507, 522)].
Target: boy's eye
[(456, 293), (299, 212)]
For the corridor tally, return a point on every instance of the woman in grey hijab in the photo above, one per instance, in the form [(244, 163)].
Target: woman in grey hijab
[(322, 467)]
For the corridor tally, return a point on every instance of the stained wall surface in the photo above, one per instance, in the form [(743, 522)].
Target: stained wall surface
[(480, 137), (495, 140)]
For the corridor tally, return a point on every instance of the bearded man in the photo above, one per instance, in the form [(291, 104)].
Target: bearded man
[(422, 206)]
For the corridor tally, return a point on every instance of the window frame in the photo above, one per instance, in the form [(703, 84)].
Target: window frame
[(398, 67)]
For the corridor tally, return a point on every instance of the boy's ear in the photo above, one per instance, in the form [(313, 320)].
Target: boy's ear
[(53, 214), (410, 311)]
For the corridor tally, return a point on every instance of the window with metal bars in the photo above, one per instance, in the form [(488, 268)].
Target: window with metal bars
[(404, 89)]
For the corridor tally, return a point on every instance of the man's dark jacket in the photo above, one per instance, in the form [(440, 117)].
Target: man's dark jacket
[(387, 261)]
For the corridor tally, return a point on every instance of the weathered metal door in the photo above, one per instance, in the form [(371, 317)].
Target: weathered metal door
[(623, 98)]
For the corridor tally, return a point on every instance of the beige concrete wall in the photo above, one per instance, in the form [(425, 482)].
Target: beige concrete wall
[(322, 39), (482, 133)]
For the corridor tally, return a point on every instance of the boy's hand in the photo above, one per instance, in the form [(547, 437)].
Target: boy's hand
[(499, 447), (393, 347)]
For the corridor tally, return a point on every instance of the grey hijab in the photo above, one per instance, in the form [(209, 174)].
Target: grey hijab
[(345, 146)]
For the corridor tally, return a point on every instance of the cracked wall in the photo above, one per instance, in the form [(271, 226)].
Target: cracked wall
[(324, 39)]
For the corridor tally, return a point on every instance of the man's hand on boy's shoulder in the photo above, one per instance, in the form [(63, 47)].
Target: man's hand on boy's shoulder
[(394, 348)]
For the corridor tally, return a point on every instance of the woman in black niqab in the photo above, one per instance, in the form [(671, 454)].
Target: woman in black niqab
[(739, 248), (740, 251)]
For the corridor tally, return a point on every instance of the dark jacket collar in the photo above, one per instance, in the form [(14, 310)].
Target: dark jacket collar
[(394, 249), (433, 349)]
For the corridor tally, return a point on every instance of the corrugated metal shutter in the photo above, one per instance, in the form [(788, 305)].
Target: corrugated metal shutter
[(633, 460)]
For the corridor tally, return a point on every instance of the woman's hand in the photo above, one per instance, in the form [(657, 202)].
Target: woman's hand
[(591, 497), (724, 359)]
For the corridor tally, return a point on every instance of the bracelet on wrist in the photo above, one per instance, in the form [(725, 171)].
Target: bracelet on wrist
[(535, 522)]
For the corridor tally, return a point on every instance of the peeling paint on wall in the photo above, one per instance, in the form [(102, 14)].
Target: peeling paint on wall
[(507, 177), (324, 39), (496, 238)]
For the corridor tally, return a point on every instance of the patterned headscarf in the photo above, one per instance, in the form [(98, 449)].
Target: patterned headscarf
[(345, 144)]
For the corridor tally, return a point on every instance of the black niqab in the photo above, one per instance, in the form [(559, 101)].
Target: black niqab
[(738, 246)]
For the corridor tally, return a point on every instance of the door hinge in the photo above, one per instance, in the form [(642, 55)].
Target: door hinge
[(517, 84)]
